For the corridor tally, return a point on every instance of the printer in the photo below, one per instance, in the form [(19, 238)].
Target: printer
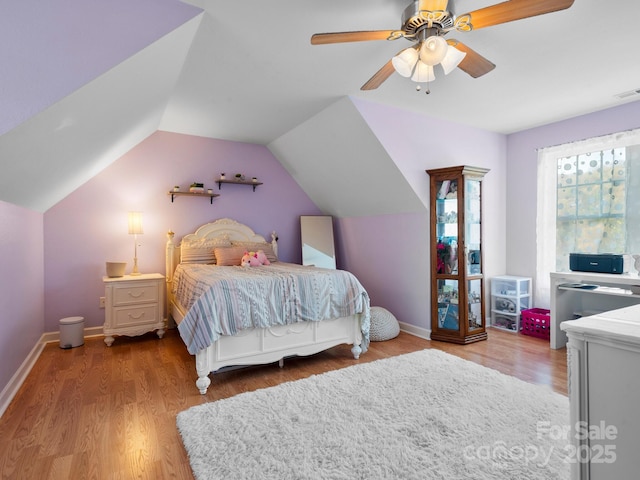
[(596, 262)]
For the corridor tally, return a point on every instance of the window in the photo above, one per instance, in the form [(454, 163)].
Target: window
[(588, 202), (591, 204)]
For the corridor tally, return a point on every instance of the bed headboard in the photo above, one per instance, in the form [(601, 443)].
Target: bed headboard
[(224, 228)]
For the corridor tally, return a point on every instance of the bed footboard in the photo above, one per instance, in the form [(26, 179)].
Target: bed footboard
[(268, 345)]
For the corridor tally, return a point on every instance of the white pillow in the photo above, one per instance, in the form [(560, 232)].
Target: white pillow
[(201, 250)]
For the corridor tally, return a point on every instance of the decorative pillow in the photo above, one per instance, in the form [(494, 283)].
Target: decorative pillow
[(201, 251), (266, 247), (229, 255)]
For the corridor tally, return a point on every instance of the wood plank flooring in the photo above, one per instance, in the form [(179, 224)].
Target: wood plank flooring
[(100, 412)]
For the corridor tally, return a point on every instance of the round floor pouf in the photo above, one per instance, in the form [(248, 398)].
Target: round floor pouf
[(384, 325)]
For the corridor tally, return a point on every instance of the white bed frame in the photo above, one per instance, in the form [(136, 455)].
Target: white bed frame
[(263, 345)]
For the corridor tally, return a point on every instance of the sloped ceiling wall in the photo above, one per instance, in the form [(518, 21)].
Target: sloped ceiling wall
[(49, 155), (340, 163), (50, 49)]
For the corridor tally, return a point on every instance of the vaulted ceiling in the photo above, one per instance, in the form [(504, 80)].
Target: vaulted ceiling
[(83, 82)]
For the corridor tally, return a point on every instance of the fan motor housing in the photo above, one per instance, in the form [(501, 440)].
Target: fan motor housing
[(417, 16)]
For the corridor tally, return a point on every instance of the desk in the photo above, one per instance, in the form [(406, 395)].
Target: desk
[(579, 294), (604, 393)]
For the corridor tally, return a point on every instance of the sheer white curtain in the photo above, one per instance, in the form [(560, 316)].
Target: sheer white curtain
[(546, 202)]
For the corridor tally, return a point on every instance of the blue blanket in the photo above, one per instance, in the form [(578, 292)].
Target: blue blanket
[(223, 300)]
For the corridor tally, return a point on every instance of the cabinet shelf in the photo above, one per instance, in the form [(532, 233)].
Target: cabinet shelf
[(211, 196), (220, 181)]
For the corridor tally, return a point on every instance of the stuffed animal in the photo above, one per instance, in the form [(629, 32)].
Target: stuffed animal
[(254, 259)]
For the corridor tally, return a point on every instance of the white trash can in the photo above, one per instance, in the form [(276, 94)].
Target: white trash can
[(71, 332)]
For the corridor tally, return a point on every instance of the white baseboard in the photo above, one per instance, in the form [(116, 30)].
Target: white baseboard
[(417, 331), (51, 337), (11, 389)]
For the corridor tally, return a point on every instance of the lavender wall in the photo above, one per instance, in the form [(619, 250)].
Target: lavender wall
[(390, 256), (522, 169), (21, 286), (89, 226)]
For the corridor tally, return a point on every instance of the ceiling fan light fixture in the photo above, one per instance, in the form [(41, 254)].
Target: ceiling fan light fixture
[(433, 50), (452, 59), (405, 61), (423, 73)]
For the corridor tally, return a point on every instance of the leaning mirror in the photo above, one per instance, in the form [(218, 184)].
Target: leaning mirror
[(317, 241)]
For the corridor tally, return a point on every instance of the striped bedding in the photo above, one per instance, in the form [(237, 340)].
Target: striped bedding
[(223, 300)]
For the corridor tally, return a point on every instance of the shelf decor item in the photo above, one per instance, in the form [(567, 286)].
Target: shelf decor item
[(176, 188), (457, 281), (115, 269), (223, 176), (196, 187)]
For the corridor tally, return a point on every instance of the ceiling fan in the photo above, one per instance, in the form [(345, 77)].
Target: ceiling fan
[(426, 22)]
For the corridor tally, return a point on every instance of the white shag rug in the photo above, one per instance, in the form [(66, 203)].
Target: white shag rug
[(423, 415)]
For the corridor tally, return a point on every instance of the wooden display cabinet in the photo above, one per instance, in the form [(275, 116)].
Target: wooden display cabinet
[(457, 281)]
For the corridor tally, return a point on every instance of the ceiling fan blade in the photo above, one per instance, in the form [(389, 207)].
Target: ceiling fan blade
[(379, 77), (343, 37), (473, 63), (514, 10)]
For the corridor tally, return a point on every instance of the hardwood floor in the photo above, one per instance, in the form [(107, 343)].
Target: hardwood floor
[(102, 412)]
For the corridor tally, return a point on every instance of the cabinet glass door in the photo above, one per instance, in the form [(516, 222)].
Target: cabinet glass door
[(474, 294), (448, 314), (472, 226), (447, 227)]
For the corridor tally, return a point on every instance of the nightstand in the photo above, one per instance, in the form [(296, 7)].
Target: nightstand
[(134, 305)]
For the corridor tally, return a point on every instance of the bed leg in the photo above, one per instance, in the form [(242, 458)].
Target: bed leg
[(356, 350), (281, 362), (203, 383)]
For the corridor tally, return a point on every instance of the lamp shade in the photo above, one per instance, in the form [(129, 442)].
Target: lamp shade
[(433, 50), (452, 59), (405, 61), (135, 223), (423, 73)]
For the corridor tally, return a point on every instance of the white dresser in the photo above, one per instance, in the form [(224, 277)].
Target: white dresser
[(134, 305), (604, 390)]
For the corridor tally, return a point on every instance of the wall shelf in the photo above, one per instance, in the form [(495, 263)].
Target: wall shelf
[(220, 181), (211, 196)]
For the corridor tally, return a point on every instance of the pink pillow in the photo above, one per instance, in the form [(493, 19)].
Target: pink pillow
[(229, 255)]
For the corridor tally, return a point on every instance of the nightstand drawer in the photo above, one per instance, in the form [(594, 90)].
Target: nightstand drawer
[(130, 316), (135, 293)]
